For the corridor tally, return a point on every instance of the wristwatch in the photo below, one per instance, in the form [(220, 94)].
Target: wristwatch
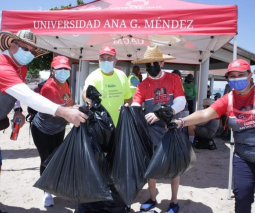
[(18, 109)]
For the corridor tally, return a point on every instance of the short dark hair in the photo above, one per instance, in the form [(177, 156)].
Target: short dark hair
[(177, 72)]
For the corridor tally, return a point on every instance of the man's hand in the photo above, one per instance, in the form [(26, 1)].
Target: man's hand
[(151, 118), (72, 115), (19, 114)]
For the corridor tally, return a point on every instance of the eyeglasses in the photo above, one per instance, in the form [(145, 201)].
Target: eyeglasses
[(25, 48), (111, 58)]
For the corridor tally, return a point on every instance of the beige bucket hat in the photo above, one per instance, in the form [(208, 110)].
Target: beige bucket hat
[(26, 36), (153, 54)]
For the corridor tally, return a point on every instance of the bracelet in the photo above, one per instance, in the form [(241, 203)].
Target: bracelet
[(182, 123)]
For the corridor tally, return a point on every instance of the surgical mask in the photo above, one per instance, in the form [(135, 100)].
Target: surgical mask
[(106, 66), (153, 70), (23, 57), (62, 75), (239, 84)]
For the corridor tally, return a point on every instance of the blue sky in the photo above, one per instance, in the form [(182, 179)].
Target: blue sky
[(246, 15)]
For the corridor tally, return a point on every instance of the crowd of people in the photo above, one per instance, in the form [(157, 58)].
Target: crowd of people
[(56, 108)]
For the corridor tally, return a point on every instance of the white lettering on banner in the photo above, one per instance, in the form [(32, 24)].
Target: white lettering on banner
[(169, 24), (133, 25), (64, 24), (190, 23), (115, 24)]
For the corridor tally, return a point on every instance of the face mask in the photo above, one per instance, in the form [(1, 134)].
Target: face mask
[(153, 70), (62, 75), (106, 66), (239, 84), (23, 57)]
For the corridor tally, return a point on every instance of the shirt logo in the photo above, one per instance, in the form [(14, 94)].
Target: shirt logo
[(63, 61), (236, 64), (107, 49), (111, 85)]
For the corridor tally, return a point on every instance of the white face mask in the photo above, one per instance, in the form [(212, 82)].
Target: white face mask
[(62, 75), (106, 66), (23, 57)]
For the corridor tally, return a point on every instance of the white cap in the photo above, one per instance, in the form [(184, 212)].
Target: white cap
[(207, 102)]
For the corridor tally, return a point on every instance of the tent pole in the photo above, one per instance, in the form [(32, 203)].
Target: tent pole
[(203, 82), (230, 174)]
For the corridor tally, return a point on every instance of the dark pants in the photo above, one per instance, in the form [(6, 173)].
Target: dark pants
[(46, 144), (190, 106), (244, 184)]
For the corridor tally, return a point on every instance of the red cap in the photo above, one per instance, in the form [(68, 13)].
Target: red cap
[(107, 50), (60, 62), (239, 65)]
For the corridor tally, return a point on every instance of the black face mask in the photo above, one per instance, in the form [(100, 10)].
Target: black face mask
[(153, 70)]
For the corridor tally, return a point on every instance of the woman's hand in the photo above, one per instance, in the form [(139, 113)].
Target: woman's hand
[(178, 122)]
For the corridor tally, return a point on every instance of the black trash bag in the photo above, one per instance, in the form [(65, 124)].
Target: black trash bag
[(115, 206), (133, 150), (101, 125), (73, 172), (93, 95), (164, 113), (174, 155)]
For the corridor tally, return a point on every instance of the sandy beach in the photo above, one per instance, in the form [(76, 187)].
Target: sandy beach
[(203, 188)]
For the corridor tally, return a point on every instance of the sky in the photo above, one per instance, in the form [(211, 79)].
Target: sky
[(246, 15)]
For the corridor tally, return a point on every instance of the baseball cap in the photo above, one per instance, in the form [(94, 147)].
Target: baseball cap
[(239, 65), (207, 102), (107, 50), (60, 61)]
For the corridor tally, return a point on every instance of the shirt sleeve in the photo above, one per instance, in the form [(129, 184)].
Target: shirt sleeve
[(134, 81), (128, 93), (221, 105), (9, 77), (138, 96), (178, 89), (25, 95), (89, 81), (195, 91)]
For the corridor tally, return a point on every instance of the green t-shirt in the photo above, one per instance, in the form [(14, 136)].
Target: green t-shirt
[(190, 90), (114, 90)]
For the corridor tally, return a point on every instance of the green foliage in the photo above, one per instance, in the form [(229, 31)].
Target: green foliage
[(79, 2), (41, 63)]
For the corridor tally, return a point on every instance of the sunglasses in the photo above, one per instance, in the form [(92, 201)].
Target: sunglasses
[(25, 48), (154, 64)]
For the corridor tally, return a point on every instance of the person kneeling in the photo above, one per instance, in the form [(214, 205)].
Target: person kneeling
[(201, 135)]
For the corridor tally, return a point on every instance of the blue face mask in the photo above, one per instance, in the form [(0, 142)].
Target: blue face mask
[(62, 75), (239, 84), (106, 66), (23, 57)]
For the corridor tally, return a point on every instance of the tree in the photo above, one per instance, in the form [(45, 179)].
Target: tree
[(79, 2)]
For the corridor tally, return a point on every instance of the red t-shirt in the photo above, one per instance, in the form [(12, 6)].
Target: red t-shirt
[(240, 121), (162, 90), (10, 74), (59, 94)]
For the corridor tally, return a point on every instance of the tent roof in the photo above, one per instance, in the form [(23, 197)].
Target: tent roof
[(189, 31)]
